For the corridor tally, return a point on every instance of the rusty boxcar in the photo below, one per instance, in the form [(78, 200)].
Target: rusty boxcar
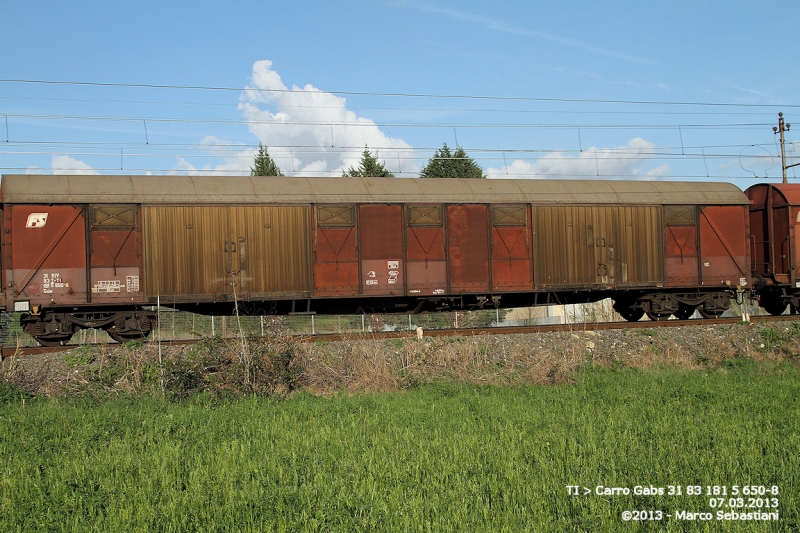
[(775, 257), (101, 251)]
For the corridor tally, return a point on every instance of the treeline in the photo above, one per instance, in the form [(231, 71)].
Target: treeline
[(443, 164)]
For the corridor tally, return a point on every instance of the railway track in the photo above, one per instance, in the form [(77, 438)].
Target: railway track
[(8, 351)]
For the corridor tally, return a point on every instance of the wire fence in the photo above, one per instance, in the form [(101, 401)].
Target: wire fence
[(181, 325)]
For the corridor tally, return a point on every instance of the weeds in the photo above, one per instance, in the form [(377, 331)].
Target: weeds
[(772, 337), (278, 365)]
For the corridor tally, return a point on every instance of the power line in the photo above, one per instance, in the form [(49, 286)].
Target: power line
[(95, 101), (215, 151), (101, 118), (394, 95), (246, 145)]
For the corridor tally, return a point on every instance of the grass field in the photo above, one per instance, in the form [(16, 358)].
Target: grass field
[(441, 457)]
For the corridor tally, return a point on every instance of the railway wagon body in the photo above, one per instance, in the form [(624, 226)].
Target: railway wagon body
[(100, 251), (775, 258)]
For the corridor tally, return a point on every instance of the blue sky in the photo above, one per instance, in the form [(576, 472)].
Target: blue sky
[(643, 90)]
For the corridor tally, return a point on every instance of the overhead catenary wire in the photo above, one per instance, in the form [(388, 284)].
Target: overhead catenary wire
[(95, 101), (371, 123), (152, 148), (395, 94)]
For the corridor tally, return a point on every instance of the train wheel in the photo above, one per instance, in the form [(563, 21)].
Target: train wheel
[(53, 340), (53, 329), (774, 307), (658, 316), (631, 315), (684, 312), (122, 339), (710, 314), (135, 326)]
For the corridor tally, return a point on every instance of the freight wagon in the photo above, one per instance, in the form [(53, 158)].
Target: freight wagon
[(102, 251), (775, 257)]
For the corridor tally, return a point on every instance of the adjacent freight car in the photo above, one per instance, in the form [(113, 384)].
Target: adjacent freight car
[(775, 257), (101, 251)]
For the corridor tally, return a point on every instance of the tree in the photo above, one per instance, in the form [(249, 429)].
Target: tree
[(263, 165), (445, 164), (369, 167)]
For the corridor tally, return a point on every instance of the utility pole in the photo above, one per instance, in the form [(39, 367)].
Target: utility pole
[(781, 128)]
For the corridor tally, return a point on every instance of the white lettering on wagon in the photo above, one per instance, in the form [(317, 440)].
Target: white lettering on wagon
[(132, 283), (112, 285), (52, 281)]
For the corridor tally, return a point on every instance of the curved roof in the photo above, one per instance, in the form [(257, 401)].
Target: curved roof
[(33, 188), (789, 191)]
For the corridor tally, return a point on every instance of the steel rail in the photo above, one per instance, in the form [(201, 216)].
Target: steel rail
[(12, 351)]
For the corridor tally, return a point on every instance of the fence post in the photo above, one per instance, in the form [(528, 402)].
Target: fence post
[(312, 325), (363, 330), (262, 325), (213, 331)]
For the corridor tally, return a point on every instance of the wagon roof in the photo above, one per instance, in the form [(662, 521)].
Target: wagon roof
[(789, 191), (32, 188)]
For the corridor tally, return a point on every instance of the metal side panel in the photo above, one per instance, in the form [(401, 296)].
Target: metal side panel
[(511, 249), (723, 246), (114, 253), (335, 243), (468, 248), (381, 248), (48, 253)]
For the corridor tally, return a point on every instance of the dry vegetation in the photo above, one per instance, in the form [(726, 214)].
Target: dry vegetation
[(279, 365)]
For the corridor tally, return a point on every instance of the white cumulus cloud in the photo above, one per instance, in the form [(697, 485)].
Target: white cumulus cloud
[(310, 132), (64, 164), (619, 162)]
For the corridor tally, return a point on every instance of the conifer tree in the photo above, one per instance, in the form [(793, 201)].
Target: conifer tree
[(263, 164), (447, 164), (368, 167)]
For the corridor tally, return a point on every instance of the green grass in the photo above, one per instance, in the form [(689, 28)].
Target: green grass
[(443, 457)]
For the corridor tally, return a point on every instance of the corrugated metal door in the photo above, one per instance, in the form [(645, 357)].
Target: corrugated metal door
[(184, 251), (637, 247), (270, 248), (563, 246), (608, 246), (381, 246), (207, 252), (426, 260), (335, 254), (511, 250), (468, 248), (601, 238)]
